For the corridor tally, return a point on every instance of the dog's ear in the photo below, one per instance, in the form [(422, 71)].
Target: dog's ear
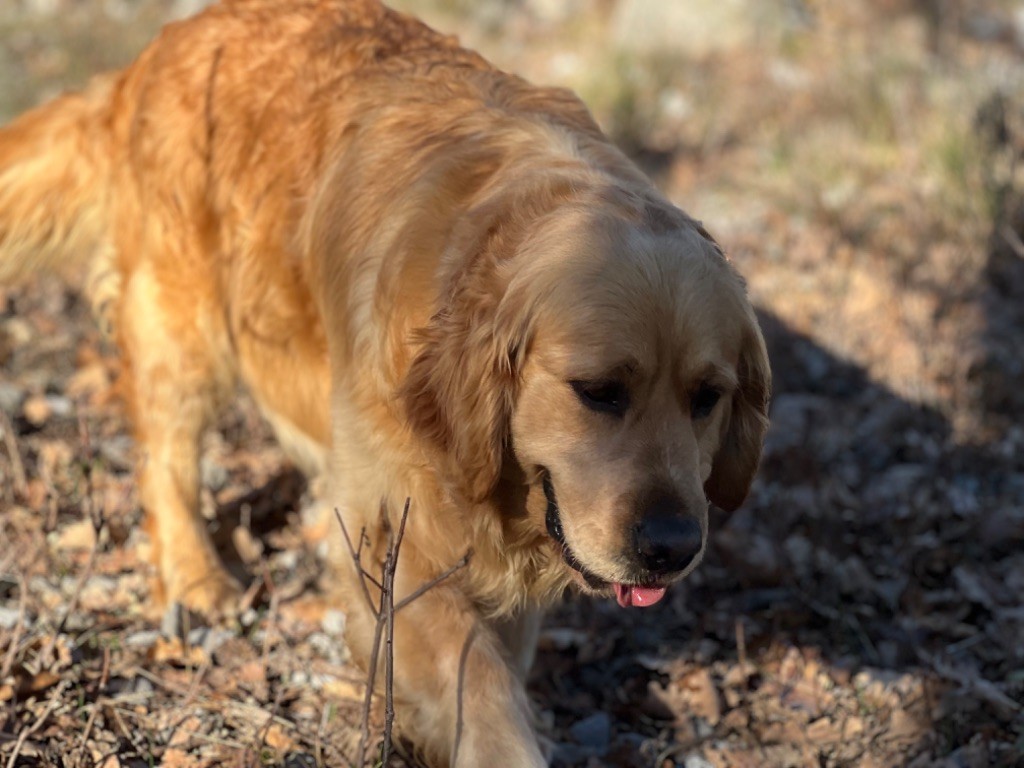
[(459, 391), (736, 462)]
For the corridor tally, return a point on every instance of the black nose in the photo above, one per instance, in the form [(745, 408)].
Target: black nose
[(667, 540)]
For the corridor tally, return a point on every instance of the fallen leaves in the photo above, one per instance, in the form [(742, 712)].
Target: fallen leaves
[(24, 684)]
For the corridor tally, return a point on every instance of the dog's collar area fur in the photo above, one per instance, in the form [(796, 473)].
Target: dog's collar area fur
[(553, 519)]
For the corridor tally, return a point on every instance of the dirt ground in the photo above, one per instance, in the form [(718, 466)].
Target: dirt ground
[(861, 163)]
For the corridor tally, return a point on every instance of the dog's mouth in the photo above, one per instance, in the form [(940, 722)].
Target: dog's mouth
[(638, 595)]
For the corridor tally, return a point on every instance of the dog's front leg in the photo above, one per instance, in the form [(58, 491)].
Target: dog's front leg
[(456, 696)]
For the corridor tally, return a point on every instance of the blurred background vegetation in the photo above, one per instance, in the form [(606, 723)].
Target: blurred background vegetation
[(858, 160)]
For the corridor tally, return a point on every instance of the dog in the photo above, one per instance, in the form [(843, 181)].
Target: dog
[(441, 285)]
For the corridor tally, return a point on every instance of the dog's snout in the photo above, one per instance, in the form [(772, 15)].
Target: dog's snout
[(667, 539)]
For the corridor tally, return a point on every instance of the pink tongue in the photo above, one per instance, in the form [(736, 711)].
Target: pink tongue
[(641, 597)]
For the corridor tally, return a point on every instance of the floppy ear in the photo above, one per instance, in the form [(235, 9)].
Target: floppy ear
[(460, 388), (736, 461)]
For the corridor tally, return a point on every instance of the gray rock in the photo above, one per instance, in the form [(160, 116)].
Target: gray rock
[(594, 733), (333, 622), (214, 476), (143, 639), (570, 754), (117, 452), (209, 639), (11, 397), (60, 406), (9, 618)]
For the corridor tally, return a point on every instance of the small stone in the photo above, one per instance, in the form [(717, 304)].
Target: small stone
[(117, 452), (60, 406), (333, 622), (703, 728), (569, 754), (9, 618), (562, 638), (593, 732), (209, 639), (11, 397), (143, 639), (287, 560), (213, 475), (330, 648)]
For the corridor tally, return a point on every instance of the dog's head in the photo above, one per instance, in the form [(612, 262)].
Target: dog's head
[(609, 349)]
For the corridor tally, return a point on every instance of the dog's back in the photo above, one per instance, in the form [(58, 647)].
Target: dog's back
[(192, 170), (225, 116)]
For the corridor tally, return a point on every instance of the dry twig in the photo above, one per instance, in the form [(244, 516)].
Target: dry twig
[(462, 563), (19, 627), (971, 681), (388, 611), (55, 699), (384, 613), (357, 559), (17, 466), (379, 612)]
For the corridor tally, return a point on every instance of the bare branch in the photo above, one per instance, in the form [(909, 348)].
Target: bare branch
[(55, 699), (388, 609), (20, 480), (384, 613), (19, 628), (390, 563), (426, 587), (371, 677), (1013, 240), (357, 559)]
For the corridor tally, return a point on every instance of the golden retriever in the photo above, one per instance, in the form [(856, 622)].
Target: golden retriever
[(439, 283)]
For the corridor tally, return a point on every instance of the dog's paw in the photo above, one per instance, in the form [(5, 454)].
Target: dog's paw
[(215, 596)]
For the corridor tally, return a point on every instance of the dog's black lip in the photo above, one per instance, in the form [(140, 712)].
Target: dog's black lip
[(553, 520)]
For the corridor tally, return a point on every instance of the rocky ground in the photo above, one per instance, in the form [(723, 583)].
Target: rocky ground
[(861, 164)]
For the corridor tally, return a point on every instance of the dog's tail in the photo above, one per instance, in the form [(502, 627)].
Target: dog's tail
[(55, 168)]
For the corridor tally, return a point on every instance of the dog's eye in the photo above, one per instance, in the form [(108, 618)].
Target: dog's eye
[(704, 401), (604, 396)]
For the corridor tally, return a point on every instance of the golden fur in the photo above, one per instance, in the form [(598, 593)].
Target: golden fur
[(406, 255)]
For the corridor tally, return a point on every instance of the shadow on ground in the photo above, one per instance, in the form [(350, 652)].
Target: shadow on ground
[(862, 606)]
